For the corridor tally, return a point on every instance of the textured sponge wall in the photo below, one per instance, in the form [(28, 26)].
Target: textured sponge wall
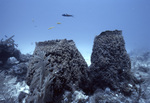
[(56, 66), (110, 63)]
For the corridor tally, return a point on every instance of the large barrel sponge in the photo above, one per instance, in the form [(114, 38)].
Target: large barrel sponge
[(56, 66), (110, 63)]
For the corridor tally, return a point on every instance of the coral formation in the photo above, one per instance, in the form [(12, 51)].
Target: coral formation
[(7, 49), (57, 66), (57, 73), (13, 69)]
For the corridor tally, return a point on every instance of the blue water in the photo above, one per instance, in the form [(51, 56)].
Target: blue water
[(39, 20)]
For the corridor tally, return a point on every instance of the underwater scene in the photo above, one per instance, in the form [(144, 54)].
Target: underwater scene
[(74, 51)]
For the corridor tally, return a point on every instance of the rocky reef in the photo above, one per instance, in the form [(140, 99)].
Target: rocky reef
[(13, 70), (7, 49), (58, 73), (57, 66)]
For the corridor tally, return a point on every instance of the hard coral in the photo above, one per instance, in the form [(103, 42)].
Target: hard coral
[(7, 49)]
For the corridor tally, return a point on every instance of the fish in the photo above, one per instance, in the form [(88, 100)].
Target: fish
[(51, 28), (33, 20), (6, 36), (31, 43), (58, 23), (67, 15)]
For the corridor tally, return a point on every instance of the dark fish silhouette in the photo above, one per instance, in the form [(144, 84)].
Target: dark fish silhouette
[(67, 15)]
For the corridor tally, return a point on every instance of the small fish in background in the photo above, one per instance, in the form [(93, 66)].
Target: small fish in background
[(51, 28), (6, 36), (33, 20), (58, 23), (67, 15), (31, 43)]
